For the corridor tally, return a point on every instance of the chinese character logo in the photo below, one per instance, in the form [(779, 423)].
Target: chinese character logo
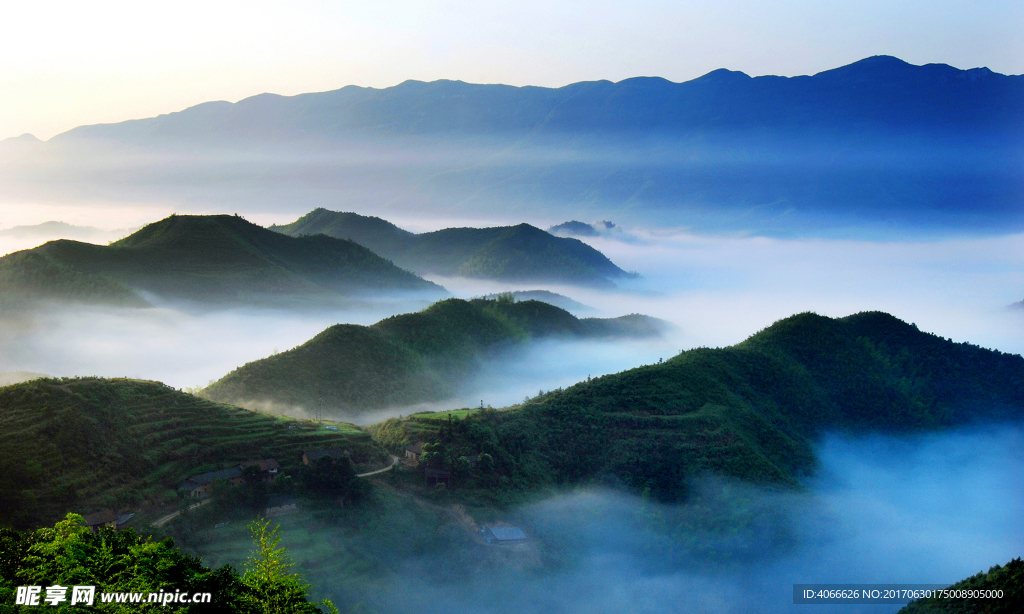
[(27, 595), (83, 595)]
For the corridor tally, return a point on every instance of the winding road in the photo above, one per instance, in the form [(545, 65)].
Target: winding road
[(169, 517)]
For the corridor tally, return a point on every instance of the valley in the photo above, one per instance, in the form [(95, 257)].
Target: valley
[(317, 353)]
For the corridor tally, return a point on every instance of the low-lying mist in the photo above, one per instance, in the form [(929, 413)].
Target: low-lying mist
[(716, 290), (930, 509)]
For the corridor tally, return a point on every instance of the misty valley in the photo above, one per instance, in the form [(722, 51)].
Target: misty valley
[(783, 347)]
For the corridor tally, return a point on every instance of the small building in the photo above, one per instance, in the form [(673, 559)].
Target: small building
[(434, 477), (100, 519), (123, 519), (502, 535), (310, 457), (268, 466), (414, 452), (279, 506), (201, 485)]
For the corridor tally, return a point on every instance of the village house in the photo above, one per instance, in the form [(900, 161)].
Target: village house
[(502, 535), (279, 506), (201, 485), (100, 519), (310, 457), (414, 452), (268, 466)]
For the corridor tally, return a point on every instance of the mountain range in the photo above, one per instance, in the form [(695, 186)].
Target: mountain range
[(519, 253), (879, 144), (209, 259)]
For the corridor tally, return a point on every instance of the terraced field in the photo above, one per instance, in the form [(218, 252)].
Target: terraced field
[(79, 444)]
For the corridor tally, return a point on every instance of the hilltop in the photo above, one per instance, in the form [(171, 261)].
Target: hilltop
[(409, 358), (216, 258), (520, 253), (68, 445), (751, 411)]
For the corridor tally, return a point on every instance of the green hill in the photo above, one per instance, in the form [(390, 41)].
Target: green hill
[(409, 358), (751, 411), (72, 445), (218, 258), (520, 253), (1008, 579)]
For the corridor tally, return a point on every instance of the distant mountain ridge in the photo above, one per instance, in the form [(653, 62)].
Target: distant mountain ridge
[(520, 253), (220, 259), (879, 144), (882, 91)]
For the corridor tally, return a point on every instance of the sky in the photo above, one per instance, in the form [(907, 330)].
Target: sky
[(71, 63)]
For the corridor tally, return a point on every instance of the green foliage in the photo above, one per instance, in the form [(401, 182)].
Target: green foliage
[(1007, 578), (401, 360), (273, 587), (82, 444), (69, 554), (750, 411), (333, 479)]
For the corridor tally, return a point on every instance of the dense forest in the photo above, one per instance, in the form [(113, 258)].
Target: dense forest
[(751, 411)]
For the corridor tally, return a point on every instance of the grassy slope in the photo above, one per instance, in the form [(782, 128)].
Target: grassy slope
[(515, 253), (74, 445), (405, 359), (750, 411), (206, 258)]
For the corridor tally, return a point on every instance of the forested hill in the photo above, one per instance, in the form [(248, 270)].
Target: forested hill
[(520, 253), (751, 411), (76, 445), (217, 258), (409, 358)]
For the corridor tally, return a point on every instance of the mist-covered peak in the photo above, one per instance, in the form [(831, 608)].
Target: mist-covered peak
[(24, 138), (520, 253), (221, 259)]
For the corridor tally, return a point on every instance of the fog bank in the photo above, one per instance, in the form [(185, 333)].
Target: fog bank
[(930, 509)]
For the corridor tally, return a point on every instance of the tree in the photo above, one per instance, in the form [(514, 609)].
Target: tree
[(275, 589)]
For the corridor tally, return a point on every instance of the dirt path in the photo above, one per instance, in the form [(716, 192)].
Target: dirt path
[(169, 517), (394, 461)]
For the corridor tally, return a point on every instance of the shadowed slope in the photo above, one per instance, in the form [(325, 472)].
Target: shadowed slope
[(217, 258)]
